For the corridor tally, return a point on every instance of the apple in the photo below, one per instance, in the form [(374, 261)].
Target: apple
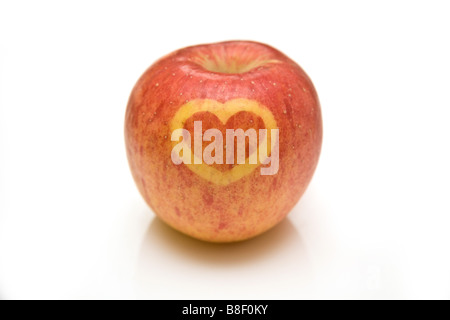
[(223, 139)]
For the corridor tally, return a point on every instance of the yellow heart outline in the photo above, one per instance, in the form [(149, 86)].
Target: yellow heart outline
[(223, 111)]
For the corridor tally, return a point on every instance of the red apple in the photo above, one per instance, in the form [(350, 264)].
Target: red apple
[(187, 164)]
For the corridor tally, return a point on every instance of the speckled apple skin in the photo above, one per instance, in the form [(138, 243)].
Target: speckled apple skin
[(186, 201)]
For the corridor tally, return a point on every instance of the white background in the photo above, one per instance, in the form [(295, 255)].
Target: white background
[(374, 222)]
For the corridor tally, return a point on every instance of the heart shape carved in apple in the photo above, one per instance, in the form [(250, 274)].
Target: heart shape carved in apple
[(223, 112)]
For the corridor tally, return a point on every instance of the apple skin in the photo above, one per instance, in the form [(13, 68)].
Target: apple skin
[(222, 72)]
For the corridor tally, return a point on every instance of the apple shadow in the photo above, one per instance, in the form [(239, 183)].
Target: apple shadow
[(171, 264), (244, 252)]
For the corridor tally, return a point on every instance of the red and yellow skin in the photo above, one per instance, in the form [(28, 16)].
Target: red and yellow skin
[(228, 85)]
